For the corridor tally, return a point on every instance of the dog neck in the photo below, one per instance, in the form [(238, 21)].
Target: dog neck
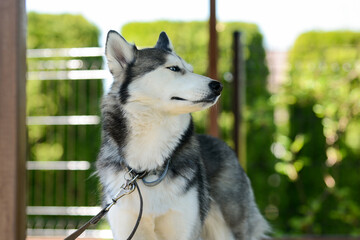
[(152, 136)]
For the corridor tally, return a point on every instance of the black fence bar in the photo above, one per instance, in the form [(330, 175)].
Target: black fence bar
[(239, 98)]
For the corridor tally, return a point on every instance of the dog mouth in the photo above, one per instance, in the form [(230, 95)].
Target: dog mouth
[(208, 99), (178, 99)]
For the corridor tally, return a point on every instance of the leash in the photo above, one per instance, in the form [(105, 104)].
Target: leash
[(125, 189)]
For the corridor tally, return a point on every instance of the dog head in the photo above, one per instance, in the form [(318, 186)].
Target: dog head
[(157, 78)]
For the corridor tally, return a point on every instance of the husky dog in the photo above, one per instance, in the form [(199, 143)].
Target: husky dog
[(147, 127)]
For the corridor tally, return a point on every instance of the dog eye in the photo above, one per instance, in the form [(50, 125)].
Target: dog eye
[(174, 68)]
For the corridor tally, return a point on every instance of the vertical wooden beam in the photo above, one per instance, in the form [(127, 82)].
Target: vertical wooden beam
[(213, 128), (12, 119), (239, 85)]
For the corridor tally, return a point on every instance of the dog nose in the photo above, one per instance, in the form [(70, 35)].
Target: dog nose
[(216, 87)]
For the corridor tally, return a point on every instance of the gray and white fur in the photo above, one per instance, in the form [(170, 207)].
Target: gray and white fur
[(146, 122)]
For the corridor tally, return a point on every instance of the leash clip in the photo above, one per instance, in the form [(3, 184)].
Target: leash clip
[(130, 176), (127, 188)]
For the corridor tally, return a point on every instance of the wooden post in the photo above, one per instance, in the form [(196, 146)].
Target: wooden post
[(213, 128), (239, 84), (12, 119)]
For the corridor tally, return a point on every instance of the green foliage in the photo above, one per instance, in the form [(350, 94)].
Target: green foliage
[(60, 31), (318, 145), (190, 40), (62, 98)]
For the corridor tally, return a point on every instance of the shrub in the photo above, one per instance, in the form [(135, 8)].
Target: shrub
[(320, 140)]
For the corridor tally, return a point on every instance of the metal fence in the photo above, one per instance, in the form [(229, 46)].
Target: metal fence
[(64, 89)]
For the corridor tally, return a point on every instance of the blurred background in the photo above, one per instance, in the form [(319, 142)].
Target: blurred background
[(301, 113)]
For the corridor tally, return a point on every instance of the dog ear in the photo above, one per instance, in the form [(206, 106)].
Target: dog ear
[(119, 52), (164, 43)]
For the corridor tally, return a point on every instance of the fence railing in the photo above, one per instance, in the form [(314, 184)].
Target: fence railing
[(62, 126)]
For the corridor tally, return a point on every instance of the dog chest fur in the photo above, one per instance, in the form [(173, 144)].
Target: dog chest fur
[(153, 136), (167, 213)]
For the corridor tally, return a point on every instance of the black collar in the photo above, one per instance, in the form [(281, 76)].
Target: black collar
[(144, 174)]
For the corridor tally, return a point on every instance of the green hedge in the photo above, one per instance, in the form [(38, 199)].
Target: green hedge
[(321, 140), (190, 40), (60, 31)]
